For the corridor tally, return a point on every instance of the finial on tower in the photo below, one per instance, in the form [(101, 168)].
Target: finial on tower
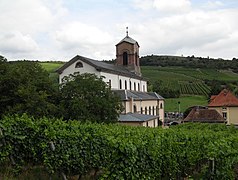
[(126, 31)]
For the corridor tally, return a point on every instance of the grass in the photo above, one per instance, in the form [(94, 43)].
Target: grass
[(51, 66), (171, 104)]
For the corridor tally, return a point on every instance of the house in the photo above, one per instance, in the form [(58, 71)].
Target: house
[(226, 104), (204, 115), (125, 79)]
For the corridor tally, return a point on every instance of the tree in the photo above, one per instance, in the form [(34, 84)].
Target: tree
[(26, 88), (88, 97)]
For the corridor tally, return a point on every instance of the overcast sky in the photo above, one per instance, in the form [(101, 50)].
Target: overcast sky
[(61, 29)]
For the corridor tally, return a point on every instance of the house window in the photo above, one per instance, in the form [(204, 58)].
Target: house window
[(125, 84), (224, 114), (153, 110), (110, 83), (144, 88), (130, 85), (149, 110), (79, 65), (120, 84), (138, 86), (125, 58), (147, 124), (134, 108), (145, 110), (223, 108), (141, 110), (134, 86)]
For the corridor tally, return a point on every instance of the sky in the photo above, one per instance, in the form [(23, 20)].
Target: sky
[(58, 30)]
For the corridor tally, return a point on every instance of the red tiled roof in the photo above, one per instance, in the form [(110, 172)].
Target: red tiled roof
[(224, 98), (204, 115)]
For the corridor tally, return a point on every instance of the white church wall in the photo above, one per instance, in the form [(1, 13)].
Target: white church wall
[(72, 69)]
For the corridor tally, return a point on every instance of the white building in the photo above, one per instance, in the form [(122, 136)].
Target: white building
[(141, 107)]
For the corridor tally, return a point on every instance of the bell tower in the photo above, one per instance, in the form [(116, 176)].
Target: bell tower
[(127, 54)]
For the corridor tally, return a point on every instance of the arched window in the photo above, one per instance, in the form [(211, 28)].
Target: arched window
[(130, 85), (138, 86), (145, 110), (125, 84), (149, 110), (134, 108), (120, 85), (161, 105), (125, 59), (78, 65), (134, 86)]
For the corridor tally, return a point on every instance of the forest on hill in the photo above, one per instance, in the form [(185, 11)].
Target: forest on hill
[(189, 61)]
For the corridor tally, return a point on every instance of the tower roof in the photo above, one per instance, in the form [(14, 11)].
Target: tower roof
[(128, 39)]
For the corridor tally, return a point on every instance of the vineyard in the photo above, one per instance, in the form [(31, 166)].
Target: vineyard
[(188, 81), (69, 149)]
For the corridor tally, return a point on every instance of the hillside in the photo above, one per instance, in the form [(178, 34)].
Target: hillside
[(188, 81)]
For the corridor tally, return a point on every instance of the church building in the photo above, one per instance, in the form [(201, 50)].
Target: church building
[(141, 108)]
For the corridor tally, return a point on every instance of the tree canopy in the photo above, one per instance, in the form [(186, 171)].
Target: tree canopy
[(88, 97), (26, 88)]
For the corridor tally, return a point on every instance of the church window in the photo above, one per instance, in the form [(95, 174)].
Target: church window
[(125, 58), (125, 84), (120, 85), (79, 65), (161, 105), (134, 108)]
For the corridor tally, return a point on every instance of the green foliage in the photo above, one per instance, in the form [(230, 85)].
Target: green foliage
[(197, 151), (87, 97), (26, 88)]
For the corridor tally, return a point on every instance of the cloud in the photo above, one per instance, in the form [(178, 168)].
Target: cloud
[(177, 6), (190, 33), (213, 4), (60, 29), (80, 37), (16, 42)]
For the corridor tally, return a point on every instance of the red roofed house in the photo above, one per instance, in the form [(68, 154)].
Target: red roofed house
[(226, 104)]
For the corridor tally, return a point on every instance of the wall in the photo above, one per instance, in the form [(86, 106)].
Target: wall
[(232, 113), (71, 70), (108, 76), (148, 104)]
